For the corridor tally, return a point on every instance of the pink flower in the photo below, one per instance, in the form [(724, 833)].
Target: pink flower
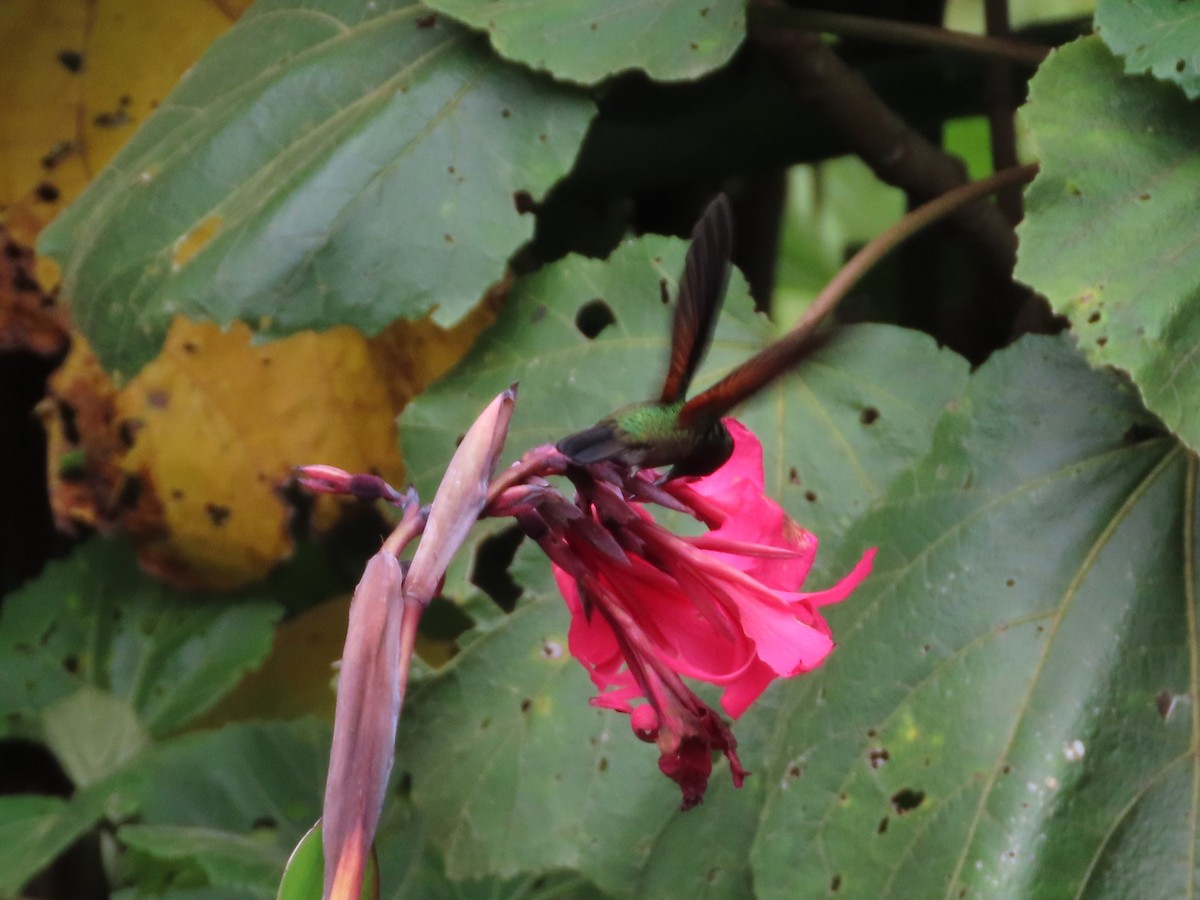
[(724, 607)]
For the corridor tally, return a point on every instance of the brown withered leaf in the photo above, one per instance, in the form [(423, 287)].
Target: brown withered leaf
[(30, 320)]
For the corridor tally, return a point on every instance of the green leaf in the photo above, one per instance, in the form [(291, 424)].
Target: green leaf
[(93, 734), (304, 877), (1109, 233), (1158, 36), (834, 433), (233, 802), (229, 860), (34, 830), (515, 772), (577, 40), (1010, 708), (94, 619), (331, 162)]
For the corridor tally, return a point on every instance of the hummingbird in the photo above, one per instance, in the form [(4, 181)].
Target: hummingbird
[(688, 435)]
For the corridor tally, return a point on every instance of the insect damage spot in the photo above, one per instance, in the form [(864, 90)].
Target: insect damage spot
[(810, 496), (217, 514), (57, 153), (602, 764), (427, 21), (883, 825), (127, 432), (878, 757), (593, 317), (1165, 704), (72, 60), (664, 291), (46, 192), (526, 705), (1180, 65), (906, 800), (116, 118), (835, 883), (869, 416), (1094, 318), (793, 476)]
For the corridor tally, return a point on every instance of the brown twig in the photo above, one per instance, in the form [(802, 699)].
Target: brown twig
[(895, 151), (1002, 104), (997, 45)]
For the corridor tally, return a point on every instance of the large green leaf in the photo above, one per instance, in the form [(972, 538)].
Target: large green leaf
[(834, 433), (515, 772), (35, 829), (325, 162), (1110, 229), (95, 626), (1011, 709), (581, 41), (231, 803), (1158, 36)]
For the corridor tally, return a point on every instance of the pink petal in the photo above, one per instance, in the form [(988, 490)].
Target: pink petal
[(846, 586)]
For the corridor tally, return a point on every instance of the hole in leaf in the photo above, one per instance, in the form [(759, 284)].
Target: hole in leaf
[(491, 570), (217, 514), (664, 291), (906, 800), (130, 493), (66, 413), (593, 317), (444, 620), (878, 757)]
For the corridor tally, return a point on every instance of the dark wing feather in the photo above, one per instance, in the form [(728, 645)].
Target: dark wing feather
[(594, 444), (701, 290), (752, 376)]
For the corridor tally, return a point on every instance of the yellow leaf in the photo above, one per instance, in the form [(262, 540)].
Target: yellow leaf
[(78, 79), (191, 457)]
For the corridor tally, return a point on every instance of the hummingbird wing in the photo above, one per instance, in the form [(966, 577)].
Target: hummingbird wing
[(595, 444), (701, 290), (753, 375)]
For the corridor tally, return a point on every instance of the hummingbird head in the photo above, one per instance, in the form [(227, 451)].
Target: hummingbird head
[(710, 452)]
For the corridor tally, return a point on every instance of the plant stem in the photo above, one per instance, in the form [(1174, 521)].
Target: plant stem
[(893, 32), (881, 245)]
